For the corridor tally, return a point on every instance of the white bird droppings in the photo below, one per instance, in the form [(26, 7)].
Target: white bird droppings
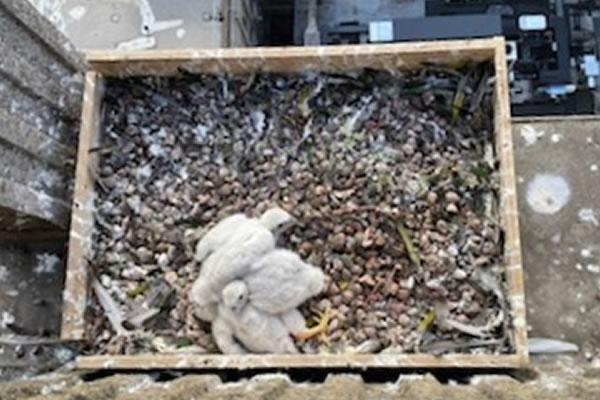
[(6, 319), (46, 263), (586, 253), (555, 138), (547, 193), (77, 12), (587, 215), (3, 273), (578, 267), (530, 135), (593, 268), (180, 33), (594, 167)]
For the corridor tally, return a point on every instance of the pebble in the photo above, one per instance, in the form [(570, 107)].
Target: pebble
[(333, 289), (473, 310), (338, 242), (347, 295), (361, 314), (441, 226), (359, 337), (452, 197), (404, 320), (357, 270), (451, 208), (432, 197), (306, 247), (135, 273), (367, 280), (402, 294), (392, 289), (162, 260), (459, 274), (337, 300), (324, 304), (371, 332)]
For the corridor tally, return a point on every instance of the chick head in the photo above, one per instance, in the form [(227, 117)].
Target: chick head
[(276, 219), (235, 296)]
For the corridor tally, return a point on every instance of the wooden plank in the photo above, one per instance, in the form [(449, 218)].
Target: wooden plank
[(289, 59), (82, 219), (273, 361), (25, 200), (508, 206), (556, 118), (387, 56)]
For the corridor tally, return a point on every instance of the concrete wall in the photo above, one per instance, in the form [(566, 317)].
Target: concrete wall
[(40, 97)]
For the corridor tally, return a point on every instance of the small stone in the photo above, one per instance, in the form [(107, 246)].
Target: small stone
[(441, 226), (392, 289), (361, 314), (347, 295), (334, 325), (367, 280), (459, 274), (337, 300), (105, 280), (134, 273), (171, 277), (333, 289), (320, 190), (372, 263), (402, 294), (162, 260), (404, 320), (357, 270), (451, 208), (338, 242), (473, 310), (324, 304), (432, 197), (144, 255), (306, 247), (356, 288), (408, 283), (452, 197), (371, 332), (380, 241), (408, 149), (134, 203), (359, 336)]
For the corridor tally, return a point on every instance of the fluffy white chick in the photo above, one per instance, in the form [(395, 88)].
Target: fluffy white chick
[(280, 281), (233, 259), (274, 219), (255, 330)]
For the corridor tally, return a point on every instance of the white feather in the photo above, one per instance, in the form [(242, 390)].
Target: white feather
[(257, 331), (280, 281)]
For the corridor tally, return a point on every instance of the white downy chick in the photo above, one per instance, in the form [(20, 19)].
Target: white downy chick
[(274, 219), (256, 331), (218, 235), (233, 259), (280, 281)]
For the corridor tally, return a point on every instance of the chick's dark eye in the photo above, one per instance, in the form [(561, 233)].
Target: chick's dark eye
[(241, 296)]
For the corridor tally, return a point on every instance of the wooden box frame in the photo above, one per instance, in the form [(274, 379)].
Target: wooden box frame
[(165, 62)]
